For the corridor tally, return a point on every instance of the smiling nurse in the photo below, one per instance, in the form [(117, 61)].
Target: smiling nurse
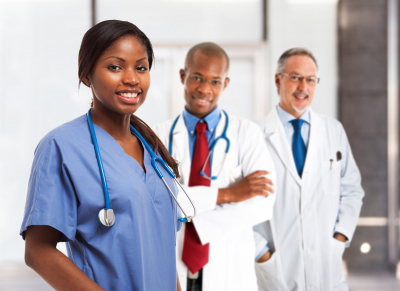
[(65, 191)]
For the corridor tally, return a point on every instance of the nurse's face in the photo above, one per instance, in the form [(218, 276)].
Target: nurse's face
[(204, 80), (120, 78)]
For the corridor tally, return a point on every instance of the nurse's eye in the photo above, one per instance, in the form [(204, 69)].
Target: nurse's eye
[(141, 68), (114, 68)]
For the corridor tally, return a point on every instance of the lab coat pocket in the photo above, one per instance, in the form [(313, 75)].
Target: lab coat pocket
[(269, 275), (337, 265), (331, 177)]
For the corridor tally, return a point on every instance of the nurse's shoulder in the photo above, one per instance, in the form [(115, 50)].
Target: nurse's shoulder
[(69, 134)]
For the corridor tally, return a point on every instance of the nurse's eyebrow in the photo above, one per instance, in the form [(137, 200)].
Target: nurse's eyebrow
[(141, 59), (116, 58)]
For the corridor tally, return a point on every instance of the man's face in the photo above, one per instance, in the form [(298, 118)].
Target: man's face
[(204, 80), (296, 96)]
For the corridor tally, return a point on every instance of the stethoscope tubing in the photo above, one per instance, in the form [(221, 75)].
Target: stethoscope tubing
[(211, 148), (99, 161), (154, 160)]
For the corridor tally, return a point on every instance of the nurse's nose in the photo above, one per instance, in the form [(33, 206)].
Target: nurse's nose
[(130, 77)]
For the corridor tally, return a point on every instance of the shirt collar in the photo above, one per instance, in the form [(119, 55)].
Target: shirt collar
[(286, 117), (212, 120)]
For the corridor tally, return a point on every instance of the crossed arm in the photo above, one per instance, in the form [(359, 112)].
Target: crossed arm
[(255, 184)]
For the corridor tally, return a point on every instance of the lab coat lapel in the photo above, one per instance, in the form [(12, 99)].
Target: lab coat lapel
[(274, 129), (180, 149), (219, 150), (315, 141)]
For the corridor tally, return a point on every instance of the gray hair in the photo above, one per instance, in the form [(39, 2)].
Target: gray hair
[(293, 52)]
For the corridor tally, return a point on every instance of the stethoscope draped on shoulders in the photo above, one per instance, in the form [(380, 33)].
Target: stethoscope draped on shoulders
[(106, 215), (211, 149)]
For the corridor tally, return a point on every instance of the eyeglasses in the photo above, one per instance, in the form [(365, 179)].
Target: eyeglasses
[(200, 80), (311, 80)]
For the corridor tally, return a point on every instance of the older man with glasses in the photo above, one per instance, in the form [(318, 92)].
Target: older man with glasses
[(319, 194)]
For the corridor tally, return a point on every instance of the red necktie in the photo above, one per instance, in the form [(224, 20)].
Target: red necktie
[(194, 254)]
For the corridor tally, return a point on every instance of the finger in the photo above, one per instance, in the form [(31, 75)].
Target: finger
[(260, 193), (261, 186), (256, 174), (261, 180)]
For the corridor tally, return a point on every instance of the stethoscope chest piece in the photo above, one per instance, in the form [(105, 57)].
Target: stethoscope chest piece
[(107, 217)]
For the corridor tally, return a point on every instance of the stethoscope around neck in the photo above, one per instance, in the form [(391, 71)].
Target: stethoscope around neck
[(211, 149), (106, 215)]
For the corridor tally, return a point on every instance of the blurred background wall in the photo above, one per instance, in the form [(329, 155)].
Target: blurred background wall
[(39, 44), (363, 107)]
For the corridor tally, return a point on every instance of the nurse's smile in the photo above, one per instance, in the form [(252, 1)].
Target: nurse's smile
[(129, 96)]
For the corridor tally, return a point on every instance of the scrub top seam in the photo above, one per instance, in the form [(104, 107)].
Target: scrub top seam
[(85, 262)]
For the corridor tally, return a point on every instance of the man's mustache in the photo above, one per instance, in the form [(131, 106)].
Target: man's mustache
[(300, 92)]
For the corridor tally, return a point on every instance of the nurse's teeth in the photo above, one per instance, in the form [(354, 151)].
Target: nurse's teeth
[(129, 95)]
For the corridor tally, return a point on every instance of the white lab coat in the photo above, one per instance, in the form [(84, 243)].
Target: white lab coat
[(309, 210), (227, 227)]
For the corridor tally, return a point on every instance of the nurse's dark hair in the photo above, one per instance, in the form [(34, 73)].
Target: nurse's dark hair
[(94, 43)]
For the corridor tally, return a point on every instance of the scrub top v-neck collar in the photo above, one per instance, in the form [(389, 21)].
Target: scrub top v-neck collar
[(147, 177)]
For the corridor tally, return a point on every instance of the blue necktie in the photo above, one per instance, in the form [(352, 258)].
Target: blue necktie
[(299, 147)]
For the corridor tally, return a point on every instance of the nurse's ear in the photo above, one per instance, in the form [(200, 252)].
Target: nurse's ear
[(86, 81)]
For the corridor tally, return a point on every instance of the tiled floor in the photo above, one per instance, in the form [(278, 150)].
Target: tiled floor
[(380, 281), (18, 277)]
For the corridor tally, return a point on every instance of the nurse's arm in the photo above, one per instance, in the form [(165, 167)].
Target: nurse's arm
[(42, 255)]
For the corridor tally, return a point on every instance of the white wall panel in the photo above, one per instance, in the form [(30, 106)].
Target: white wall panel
[(177, 21), (39, 44)]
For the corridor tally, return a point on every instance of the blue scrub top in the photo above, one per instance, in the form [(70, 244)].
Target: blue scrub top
[(66, 193)]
